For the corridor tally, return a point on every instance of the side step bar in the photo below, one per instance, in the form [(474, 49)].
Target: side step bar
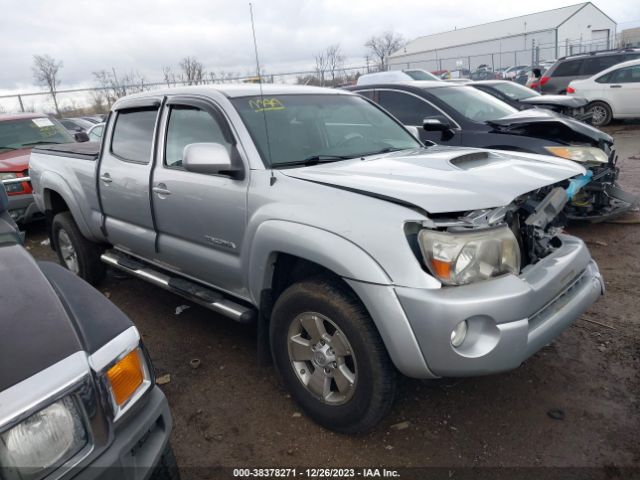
[(204, 296)]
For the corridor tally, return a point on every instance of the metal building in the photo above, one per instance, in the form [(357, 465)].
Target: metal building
[(525, 40)]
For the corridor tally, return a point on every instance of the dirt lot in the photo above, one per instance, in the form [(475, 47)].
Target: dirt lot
[(230, 412)]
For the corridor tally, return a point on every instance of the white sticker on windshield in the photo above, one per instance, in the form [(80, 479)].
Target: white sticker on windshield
[(42, 122)]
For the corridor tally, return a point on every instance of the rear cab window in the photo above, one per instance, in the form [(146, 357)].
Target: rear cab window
[(132, 138)]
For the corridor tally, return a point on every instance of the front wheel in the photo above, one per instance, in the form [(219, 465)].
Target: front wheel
[(331, 357), (75, 252), (600, 114)]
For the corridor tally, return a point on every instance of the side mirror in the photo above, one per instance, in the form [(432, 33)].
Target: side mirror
[(210, 158), (436, 124), (81, 136)]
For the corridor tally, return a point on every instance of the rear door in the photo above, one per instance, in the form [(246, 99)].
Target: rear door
[(200, 218), (123, 177), (624, 90), (411, 110)]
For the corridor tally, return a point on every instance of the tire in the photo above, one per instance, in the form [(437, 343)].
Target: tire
[(319, 385), (600, 114), (75, 252), (167, 468)]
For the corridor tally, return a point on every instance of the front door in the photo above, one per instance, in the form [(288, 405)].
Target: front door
[(411, 110), (200, 218), (624, 91), (123, 178)]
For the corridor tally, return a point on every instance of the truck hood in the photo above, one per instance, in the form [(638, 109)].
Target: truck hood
[(555, 101), (550, 125), (443, 179), (14, 160), (35, 331)]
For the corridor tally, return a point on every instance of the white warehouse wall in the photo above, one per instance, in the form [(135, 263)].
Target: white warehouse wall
[(513, 50), (576, 35)]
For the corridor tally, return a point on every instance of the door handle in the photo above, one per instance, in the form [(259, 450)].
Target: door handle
[(615, 86), (106, 178), (161, 190)]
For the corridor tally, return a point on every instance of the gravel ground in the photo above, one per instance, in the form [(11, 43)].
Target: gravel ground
[(230, 412)]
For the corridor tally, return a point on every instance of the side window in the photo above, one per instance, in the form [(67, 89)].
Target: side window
[(606, 78), (190, 125), (568, 69), (96, 133), (133, 134), (408, 109), (626, 75), (366, 93), (598, 63)]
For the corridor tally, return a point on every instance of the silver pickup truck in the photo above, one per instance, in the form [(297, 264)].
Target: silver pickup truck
[(312, 212)]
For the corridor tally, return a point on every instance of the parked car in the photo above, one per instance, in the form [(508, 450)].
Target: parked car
[(462, 115), (523, 98), (77, 389), (95, 132), (512, 72), (18, 134), (315, 214), (74, 125), (393, 76), (612, 93), (94, 119), (584, 65)]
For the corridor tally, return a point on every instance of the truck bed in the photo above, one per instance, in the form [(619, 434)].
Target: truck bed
[(84, 150)]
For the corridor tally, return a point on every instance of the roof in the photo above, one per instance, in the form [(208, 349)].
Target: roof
[(239, 90), (20, 116), (535, 22)]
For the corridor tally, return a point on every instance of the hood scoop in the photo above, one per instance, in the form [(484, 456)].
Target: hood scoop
[(472, 160)]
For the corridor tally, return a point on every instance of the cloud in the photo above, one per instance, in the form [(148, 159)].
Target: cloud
[(144, 36)]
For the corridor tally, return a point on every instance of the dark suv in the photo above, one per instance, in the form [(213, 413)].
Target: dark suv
[(584, 65)]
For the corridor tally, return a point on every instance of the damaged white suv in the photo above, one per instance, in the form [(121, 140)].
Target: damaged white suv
[(357, 251)]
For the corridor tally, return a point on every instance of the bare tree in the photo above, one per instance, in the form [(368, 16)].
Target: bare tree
[(382, 46), (192, 71), (45, 72), (114, 86), (321, 67), (170, 78), (335, 62)]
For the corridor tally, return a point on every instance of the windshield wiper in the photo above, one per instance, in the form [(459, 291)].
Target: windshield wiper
[(40, 142), (384, 150), (313, 160)]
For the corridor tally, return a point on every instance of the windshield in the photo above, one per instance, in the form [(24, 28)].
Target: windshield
[(473, 104), (515, 91), (303, 127), (20, 133), (421, 75)]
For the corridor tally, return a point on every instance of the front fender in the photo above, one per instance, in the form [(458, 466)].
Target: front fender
[(52, 182), (325, 248)]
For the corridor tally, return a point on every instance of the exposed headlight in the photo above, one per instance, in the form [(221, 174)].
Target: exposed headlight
[(580, 154), (45, 440), (466, 257)]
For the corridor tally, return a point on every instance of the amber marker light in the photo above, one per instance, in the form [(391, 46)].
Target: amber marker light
[(125, 377)]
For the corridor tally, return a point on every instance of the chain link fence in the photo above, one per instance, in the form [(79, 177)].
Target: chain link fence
[(98, 99), (538, 51)]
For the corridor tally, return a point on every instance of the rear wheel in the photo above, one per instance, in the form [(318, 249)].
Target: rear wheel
[(75, 252), (600, 114), (331, 357)]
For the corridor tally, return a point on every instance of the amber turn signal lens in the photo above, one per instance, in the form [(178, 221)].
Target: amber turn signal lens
[(441, 269), (125, 377)]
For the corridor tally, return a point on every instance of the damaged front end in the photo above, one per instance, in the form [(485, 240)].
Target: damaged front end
[(481, 244), (602, 198)]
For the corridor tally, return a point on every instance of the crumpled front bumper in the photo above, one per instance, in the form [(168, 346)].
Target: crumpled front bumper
[(509, 318), (23, 209)]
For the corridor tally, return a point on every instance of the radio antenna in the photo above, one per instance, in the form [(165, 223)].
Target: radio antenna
[(262, 105)]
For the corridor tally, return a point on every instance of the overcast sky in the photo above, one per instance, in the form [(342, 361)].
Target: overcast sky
[(147, 35)]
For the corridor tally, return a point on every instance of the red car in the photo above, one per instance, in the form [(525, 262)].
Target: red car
[(18, 134)]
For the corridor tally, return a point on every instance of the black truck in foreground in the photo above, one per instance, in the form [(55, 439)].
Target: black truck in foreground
[(77, 391)]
